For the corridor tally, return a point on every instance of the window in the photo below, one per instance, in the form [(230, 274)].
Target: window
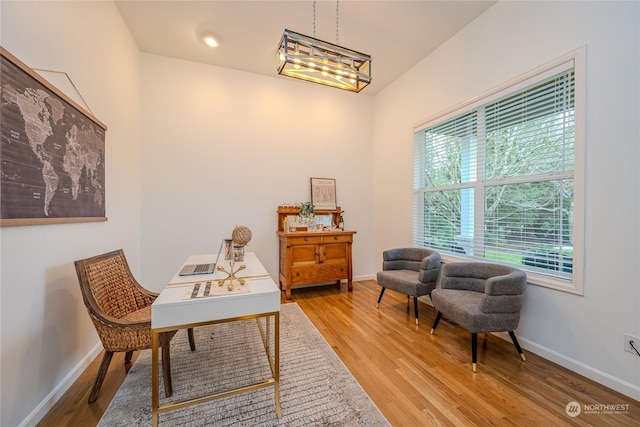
[(500, 180)]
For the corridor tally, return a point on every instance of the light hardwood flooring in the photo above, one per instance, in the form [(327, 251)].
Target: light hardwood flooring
[(414, 378)]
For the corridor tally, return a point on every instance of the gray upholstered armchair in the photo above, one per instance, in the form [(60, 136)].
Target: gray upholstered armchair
[(411, 271), (481, 297)]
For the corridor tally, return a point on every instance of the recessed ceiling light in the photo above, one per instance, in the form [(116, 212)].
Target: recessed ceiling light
[(209, 38)]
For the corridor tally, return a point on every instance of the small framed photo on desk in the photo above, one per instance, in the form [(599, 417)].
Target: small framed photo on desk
[(323, 193)]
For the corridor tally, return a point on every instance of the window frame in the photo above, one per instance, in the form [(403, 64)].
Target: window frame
[(576, 60)]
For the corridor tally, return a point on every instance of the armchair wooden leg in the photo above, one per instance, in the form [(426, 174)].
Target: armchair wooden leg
[(415, 307), (517, 344), (127, 356), (102, 372), (435, 322), (380, 297), (474, 351), (192, 341), (165, 340)]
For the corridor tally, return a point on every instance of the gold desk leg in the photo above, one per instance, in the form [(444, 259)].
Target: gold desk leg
[(268, 339), (274, 362), (154, 378), (276, 337)]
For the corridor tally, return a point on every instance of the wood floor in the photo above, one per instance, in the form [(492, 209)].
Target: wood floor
[(415, 379)]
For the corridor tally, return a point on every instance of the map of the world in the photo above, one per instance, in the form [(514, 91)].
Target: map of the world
[(52, 155)]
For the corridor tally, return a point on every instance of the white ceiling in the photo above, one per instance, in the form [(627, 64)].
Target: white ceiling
[(397, 34)]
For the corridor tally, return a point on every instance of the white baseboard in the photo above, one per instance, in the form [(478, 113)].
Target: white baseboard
[(614, 383), (45, 406), (365, 277)]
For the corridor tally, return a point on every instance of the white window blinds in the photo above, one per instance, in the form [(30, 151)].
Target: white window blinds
[(495, 181)]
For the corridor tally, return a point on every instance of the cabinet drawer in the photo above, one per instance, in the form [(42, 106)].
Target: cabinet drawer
[(336, 239), (319, 273), (304, 240)]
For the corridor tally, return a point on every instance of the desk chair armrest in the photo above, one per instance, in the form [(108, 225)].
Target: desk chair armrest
[(114, 322)]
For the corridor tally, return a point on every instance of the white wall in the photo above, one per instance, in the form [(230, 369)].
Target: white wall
[(247, 143), (584, 333), (46, 335), (223, 148)]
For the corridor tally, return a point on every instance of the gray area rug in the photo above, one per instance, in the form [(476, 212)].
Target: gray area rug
[(316, 389)]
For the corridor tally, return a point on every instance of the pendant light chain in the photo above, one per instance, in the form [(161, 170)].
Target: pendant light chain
[(314, 19), (337, 21)]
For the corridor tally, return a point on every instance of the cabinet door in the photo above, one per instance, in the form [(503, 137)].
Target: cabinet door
[(334, 252), (304, 255)]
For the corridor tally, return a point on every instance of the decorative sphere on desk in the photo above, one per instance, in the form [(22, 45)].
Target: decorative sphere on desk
[(241, 235)]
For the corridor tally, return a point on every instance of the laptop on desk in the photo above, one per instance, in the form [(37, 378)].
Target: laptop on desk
[(208, 268)]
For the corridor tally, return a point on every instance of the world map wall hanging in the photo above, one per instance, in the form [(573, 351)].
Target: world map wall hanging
[(52, 152)]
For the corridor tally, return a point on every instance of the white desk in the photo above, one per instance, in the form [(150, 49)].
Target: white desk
[(254, 268), (170, 311)]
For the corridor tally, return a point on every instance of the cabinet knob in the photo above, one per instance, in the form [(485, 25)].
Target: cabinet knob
[(335, 237), (306, 238)]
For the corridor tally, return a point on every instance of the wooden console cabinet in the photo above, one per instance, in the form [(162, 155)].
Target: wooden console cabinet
[(314, 257)]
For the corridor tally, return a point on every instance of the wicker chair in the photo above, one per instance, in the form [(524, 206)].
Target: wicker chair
[(121, 312)]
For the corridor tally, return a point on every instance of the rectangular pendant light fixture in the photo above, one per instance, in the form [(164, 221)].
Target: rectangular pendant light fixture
[(307, 58)]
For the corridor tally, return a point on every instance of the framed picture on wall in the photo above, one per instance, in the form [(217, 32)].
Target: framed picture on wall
[(52, 150), (323, 193)]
